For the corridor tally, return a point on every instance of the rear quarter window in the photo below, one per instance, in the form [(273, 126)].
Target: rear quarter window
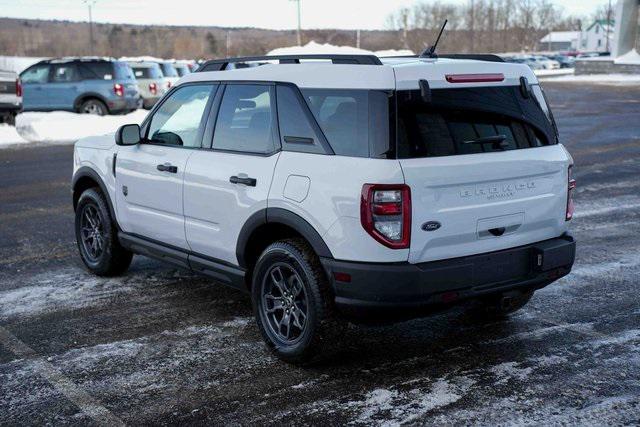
[(355, 122), (97, 70)]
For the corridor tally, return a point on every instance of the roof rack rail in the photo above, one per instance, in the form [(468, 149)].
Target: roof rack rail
[(476, 56), (221, 64)]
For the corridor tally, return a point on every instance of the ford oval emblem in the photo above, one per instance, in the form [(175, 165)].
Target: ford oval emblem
[(431, 226)]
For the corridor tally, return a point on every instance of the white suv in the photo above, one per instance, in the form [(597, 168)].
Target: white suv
[(335, 186)]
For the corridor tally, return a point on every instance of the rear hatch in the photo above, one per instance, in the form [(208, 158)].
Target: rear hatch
[(484, 168)]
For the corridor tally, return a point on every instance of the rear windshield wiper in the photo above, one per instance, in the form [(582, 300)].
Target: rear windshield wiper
[(498, 141)]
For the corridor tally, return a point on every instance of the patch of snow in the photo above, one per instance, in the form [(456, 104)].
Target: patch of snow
[(62, 126), (17, 63), (237, 322), (551, 73), (318, 48), (9, 136), (510, 370), (630, 58), (624, 338), (605, 79), (393, 52)]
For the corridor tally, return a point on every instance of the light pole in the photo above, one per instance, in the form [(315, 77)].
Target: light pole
[(299, 24), (90, 4)]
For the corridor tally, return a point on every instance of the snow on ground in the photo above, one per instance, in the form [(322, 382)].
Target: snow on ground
[(558, 72), (9, 136), (631, 57), (17, 63), (62, 126), (605, 79)]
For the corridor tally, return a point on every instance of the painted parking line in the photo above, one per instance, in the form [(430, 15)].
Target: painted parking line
[(88, 405)]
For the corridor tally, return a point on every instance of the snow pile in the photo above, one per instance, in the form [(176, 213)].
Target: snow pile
[(558, 72), (17, 63), (62, 126), (9, 136), (611, 79), (312, 48), (630, 58)]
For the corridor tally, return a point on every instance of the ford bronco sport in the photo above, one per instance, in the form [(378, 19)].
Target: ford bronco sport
[(332, 186)]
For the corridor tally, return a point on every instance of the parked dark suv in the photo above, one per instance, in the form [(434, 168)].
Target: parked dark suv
[(84, 85)]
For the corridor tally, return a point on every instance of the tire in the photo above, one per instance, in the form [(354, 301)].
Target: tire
[(94, 106), (500, 306), (97, 236), (11, 120), (288, 276)]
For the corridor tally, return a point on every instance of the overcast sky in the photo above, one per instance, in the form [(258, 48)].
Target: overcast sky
[(276, 14)]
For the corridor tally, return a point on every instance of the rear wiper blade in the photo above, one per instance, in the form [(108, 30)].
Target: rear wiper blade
[(496, 140)]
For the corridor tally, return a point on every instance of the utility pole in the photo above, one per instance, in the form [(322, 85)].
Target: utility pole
[(90, 4), (299, 24), (608, 25)]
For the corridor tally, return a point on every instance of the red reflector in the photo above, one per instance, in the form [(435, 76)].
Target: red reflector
[(387, 209), (474, 78), (342, 277)]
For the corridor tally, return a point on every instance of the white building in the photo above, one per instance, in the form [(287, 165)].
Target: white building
[(598, 37), (560, 41), (591, 39)]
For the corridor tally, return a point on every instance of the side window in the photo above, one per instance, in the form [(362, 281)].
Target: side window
[(343, 116), (96, 70), (64, 73), (245, 120), (178, 119), (36, 74), (296, 132)]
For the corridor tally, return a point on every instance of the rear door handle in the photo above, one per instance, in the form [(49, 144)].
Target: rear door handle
[(167, 167), (250, 182)]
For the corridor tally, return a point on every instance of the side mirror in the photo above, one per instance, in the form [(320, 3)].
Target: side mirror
[(128, 135)]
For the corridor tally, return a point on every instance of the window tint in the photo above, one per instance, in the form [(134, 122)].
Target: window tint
[(36, 74), (96, 70), (168, 70), (296, 132), (147, 72), (245, 121), (352, 120), (64, 73), (178, 119)]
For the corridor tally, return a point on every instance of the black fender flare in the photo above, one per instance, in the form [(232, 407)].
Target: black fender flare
[(86, 95), (284, 217), (87, 172)]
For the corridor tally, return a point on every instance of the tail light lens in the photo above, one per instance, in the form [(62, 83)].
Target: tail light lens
[(153, 88), (18, 88), (118, 89), (571, 186), (385, 213)]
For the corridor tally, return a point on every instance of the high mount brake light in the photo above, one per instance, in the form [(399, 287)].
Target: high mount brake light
[(474, 78), (570, 187), (385, 213)]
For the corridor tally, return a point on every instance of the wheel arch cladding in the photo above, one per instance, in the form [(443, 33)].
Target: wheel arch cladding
[(86, 178), (270, 224)]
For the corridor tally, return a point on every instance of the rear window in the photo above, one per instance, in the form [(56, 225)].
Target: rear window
[(96, 70), (152, 72), (459, 121), (355, 122), (168, 70), (123, 71)]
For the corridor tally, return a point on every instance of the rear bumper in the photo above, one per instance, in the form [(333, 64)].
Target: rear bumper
[(10, 108), (125, 104), (404, 285)]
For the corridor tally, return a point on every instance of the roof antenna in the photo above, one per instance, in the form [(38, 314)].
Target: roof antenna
[(430, 52)]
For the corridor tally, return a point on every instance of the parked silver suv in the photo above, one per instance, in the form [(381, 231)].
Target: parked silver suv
[(151, 82)]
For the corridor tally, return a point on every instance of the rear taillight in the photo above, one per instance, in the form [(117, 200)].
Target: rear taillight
[(153, 88), (385, 213), (570, 187), (18, 88), (118, 89)]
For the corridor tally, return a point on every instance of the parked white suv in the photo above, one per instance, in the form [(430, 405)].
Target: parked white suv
[(342, 188)]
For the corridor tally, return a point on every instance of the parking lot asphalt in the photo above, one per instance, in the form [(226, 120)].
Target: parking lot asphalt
[(164, 346)]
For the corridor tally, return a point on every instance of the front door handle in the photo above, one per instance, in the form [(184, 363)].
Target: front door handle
[(167, 167), (250, 182)]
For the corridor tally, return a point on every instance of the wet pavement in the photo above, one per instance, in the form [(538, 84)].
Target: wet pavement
[(164, 346)]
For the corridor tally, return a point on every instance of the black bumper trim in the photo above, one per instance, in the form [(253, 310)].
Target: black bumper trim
[(404, 285)]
